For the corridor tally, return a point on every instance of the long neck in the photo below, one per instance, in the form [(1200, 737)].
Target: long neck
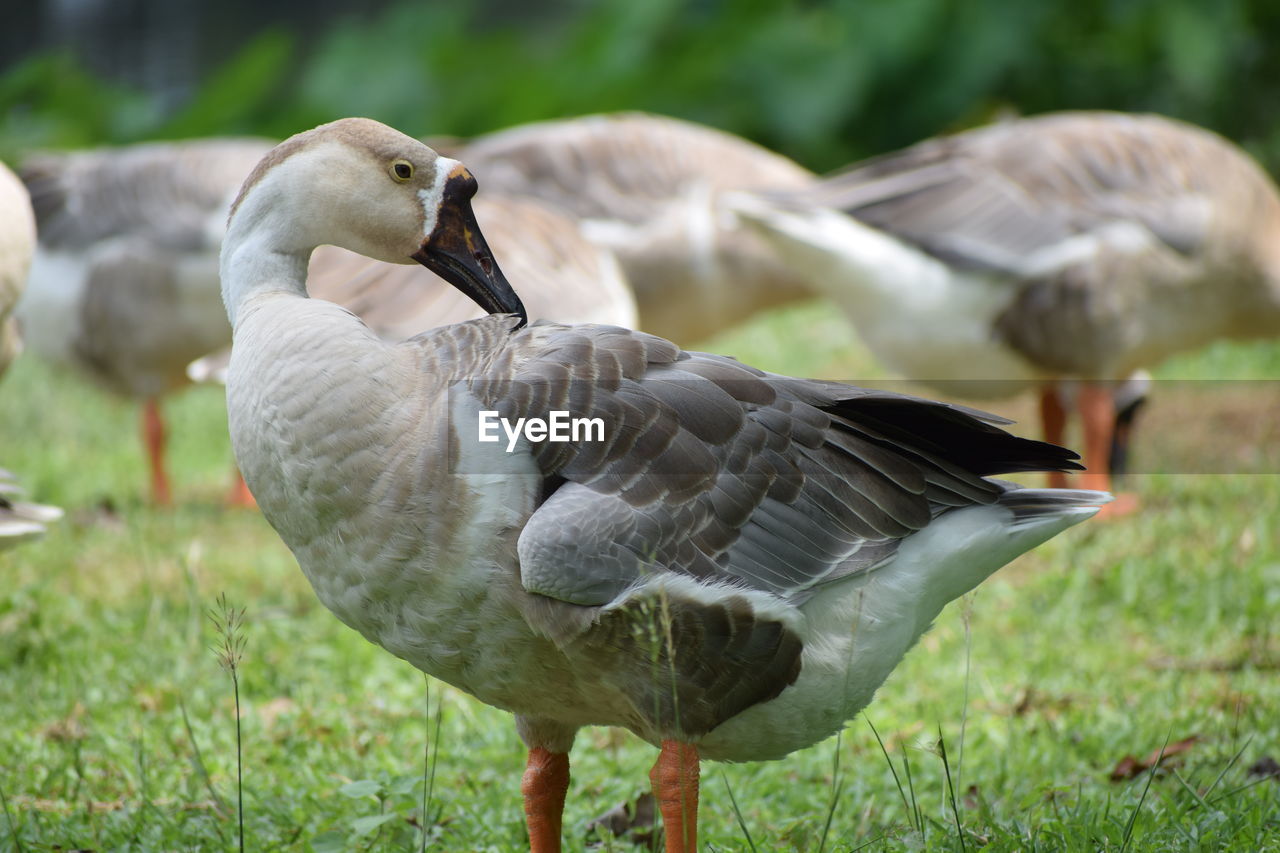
[(253, 262)]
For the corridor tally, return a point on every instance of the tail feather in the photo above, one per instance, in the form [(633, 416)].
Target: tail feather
[(19, 520), (1033, 505), (962, 436)]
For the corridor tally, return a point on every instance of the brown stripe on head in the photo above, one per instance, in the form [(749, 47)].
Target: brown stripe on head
[(379, 140), (274, 157)]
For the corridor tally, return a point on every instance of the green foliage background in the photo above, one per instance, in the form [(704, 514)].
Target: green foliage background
[(825, 82)]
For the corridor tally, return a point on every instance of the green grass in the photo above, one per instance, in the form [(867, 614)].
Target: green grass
[(1111, 640)]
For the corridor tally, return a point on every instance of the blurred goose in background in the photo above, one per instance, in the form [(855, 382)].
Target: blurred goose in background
[(17, 245), (729, 571), (1067, 246), (125, 282), (649, 187), (19, 520), (124, 287)]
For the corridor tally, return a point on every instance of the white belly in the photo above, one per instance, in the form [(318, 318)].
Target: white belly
[(921, 318)]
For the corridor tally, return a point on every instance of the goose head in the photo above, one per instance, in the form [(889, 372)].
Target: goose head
[(363, 186)]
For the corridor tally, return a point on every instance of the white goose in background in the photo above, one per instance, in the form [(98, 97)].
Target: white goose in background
[(125, 282), (1077, 246), (729, 572), (651, 189), (17, 245), (19, 520)]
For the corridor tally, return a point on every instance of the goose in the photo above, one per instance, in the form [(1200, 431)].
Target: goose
[(650, 188), (19, 520), (124, 287), (124, 283), (1069, 246), (728, 567)]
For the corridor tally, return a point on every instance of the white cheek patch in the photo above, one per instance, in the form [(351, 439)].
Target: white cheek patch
[(432, 198)]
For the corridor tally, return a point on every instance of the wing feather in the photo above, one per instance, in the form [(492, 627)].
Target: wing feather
[(710, 469)]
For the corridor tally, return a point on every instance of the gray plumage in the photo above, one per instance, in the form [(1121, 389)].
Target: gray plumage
[(649, 187), (170, 194), (1120, 239)]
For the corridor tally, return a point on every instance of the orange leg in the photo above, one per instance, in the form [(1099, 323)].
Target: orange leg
[(1098, 415), (240, 495), (546, 780), (1054, 418), (153, 437), (675, 786)]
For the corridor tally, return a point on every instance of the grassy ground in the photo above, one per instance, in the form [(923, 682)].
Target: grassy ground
[(117, 725)]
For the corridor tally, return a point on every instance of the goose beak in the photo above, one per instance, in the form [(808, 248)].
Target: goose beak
[(456, 251)]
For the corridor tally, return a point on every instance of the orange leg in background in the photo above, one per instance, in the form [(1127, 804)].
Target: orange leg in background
[(153, 438), (1054, 418), (675, 786), (545, 782), (240, 496), (1098, 415)]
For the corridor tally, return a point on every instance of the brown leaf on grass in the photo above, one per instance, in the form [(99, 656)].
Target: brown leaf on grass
[(1126, 768), (1130, 767), (635, 821)]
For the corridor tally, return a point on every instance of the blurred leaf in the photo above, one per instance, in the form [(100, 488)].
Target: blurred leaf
[(369, 823), (1130, 767), (378, 67), (403, 785), (50, 101), (361, 788), (329, 842), (824, 81), (235, 96), (1195, 46)]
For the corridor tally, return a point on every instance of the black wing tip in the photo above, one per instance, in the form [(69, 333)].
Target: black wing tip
[(966, 437)]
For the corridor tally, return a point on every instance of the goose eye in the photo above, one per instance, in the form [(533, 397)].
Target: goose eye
[(402, 170)]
